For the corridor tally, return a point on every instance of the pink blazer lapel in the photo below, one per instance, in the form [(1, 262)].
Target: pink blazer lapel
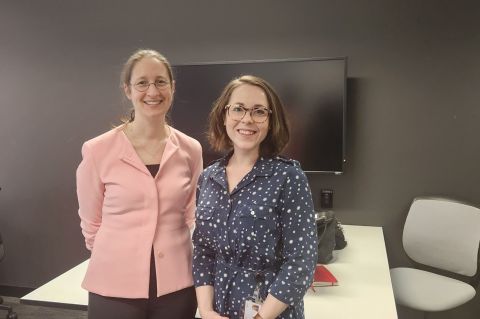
[(129, 156)]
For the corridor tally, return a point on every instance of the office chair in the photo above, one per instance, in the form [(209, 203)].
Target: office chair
[(10, 314), (443, 234)]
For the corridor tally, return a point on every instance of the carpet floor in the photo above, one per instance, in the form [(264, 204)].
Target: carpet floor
[(39, 312)]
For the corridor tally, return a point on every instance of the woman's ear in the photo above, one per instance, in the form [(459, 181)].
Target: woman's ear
[(173, 87), (127, 91)]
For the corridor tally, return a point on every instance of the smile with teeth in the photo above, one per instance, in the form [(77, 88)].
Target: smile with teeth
[(246, 132), (153, 102)]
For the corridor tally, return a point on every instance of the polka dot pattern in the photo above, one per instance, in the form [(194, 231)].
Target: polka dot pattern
[(264, 226)]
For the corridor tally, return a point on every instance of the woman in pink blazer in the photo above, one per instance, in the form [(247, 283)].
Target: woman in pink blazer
[(136, 191)]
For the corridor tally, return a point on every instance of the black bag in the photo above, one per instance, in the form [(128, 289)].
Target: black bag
[(330, 236)]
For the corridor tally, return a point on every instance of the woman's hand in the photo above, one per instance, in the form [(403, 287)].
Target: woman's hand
[(211, 314), (205, 303)]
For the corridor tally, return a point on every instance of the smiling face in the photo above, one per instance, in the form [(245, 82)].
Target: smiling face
[(154, 102), (246, 135)]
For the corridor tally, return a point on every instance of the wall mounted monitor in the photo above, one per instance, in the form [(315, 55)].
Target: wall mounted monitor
[(313, 91)]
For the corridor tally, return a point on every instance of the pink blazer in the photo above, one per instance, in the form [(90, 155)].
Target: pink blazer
[(124, 211)]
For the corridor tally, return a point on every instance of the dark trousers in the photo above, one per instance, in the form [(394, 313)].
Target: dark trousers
[(180, 304)]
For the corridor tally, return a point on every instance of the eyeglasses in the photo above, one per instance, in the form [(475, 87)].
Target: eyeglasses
[(143, 86), (258, 114)]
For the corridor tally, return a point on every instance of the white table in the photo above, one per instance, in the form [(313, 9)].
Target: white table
[(364, 290), (63, 291), (364, 287)]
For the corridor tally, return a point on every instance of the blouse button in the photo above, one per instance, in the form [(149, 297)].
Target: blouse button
[(160, 255)]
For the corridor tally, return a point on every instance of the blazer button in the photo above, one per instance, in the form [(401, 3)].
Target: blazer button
[(160, 255)]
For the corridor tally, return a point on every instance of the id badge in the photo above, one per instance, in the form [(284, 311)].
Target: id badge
[(251, 309), (253, 304)]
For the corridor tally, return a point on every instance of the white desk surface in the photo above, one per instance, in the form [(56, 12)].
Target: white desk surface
[(364, 290), (63, 291), (364, 287)]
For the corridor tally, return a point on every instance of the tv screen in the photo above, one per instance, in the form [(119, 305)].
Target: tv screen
[(312, 90)]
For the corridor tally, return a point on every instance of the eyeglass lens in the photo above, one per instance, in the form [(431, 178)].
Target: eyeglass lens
[(143, 86), (238, 112)]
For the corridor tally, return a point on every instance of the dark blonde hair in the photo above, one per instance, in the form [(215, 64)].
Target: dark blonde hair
[(138, 55), (278, 131)]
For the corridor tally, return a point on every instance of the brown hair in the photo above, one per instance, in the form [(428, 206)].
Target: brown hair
[(138, 55), (278, 131)]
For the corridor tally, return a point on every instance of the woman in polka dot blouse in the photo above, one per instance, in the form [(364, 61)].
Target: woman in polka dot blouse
[(255, 230)]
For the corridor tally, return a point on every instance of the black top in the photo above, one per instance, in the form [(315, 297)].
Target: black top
[(153, 168)]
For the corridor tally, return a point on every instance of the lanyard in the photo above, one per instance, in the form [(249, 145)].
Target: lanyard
[(259, 280)]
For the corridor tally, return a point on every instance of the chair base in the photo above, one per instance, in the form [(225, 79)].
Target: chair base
[(10, 314)]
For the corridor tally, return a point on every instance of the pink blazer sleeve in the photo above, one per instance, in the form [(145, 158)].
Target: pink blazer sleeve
[(90, 192), (197, 167)]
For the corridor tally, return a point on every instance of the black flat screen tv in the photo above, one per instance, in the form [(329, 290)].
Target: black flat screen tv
[(312, 90)]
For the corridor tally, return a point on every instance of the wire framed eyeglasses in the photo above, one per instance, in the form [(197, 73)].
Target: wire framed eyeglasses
[(258, 114), (143, 85)]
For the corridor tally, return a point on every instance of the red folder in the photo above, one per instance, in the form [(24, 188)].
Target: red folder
[(323, 277)]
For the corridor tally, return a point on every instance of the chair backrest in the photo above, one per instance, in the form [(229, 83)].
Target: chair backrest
[(444, 234)]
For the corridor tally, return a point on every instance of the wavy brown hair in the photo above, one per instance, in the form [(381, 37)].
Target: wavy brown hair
[(278, 131)]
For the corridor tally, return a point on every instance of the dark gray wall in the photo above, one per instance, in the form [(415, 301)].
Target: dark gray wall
[(413, 111)]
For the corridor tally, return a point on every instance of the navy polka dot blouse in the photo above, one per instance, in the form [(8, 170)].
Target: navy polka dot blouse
[(262, 233)]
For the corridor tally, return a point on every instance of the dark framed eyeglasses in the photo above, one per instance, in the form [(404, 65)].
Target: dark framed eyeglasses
[(258, 114), (143, 85)]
